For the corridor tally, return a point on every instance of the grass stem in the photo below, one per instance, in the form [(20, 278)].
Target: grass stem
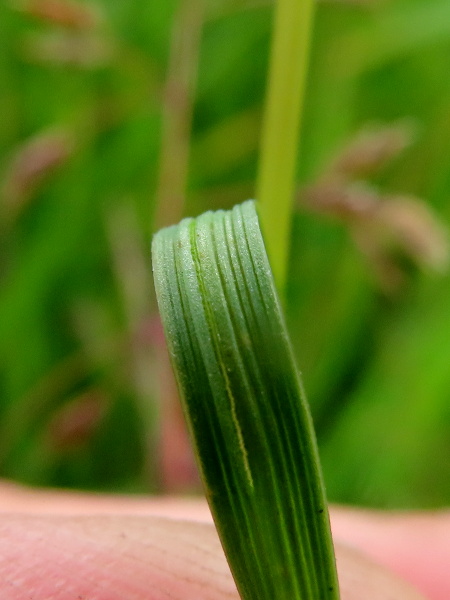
[(284, 104)]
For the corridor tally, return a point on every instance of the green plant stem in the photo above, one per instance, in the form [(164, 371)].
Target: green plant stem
[(179, 92), (285, 93)]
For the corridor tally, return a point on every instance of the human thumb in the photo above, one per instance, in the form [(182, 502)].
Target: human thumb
[(142, 558)]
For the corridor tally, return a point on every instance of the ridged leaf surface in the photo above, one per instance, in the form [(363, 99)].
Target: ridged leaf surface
[(244, 404)]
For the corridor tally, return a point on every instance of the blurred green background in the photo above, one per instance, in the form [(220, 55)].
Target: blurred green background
[(119, 117)]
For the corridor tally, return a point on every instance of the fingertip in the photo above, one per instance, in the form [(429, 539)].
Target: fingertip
[(143, 558)]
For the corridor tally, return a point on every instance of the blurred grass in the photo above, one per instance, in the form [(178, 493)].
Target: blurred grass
[(85, 396)]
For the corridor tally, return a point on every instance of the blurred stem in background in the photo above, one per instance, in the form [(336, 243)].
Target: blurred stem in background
[(284, 104), (175, 460), (128, 257), (178, 101)]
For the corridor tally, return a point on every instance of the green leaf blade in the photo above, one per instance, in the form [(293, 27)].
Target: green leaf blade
[(242, 397)]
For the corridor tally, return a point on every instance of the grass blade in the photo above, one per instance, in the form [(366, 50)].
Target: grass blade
[(242, 396)]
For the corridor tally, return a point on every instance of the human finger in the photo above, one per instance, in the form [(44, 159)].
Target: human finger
[(415, 545), (142, 557)]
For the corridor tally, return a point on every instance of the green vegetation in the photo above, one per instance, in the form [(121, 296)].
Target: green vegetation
[(244, 403), (284, 107), (112, 124)]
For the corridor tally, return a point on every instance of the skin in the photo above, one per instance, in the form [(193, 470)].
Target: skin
[(61, 546)]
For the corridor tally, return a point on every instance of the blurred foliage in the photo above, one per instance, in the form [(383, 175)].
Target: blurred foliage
[(118, 117)]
